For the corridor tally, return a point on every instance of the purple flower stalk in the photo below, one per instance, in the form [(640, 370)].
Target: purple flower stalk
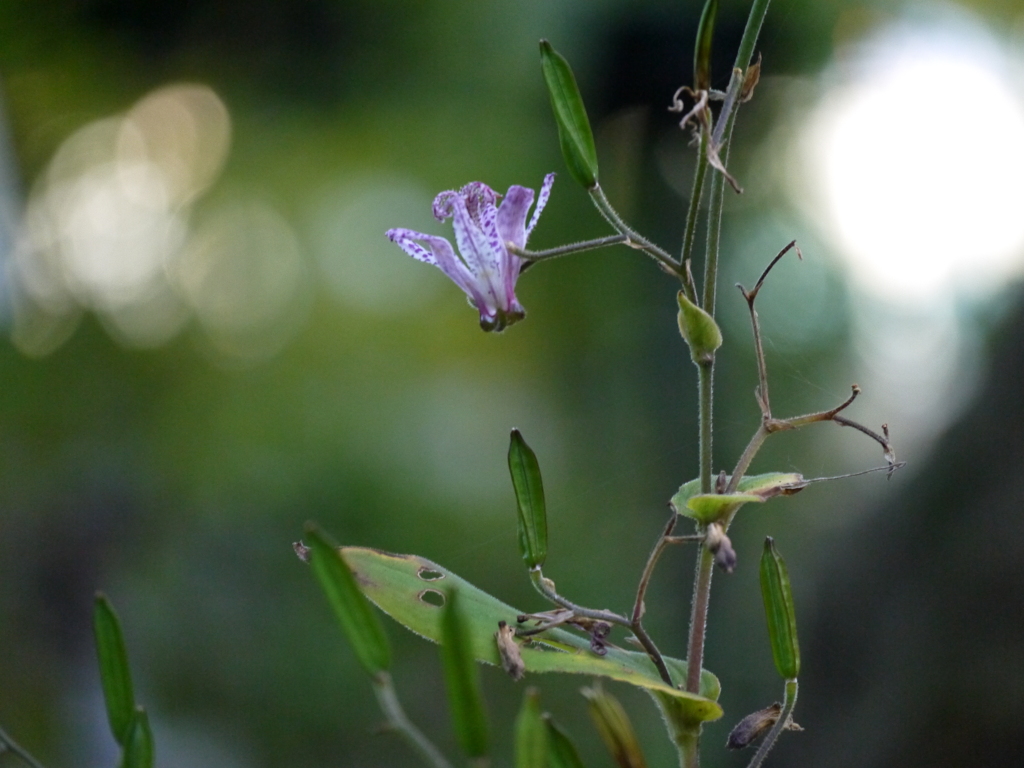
[(487, 271)]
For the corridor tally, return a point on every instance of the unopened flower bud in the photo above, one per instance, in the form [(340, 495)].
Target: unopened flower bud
[(721, 547)]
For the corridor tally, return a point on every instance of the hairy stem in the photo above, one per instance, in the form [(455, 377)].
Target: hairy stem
[(400, 723), (633, 238), (544, 586), (7, 744), (692, 215), (780, 724), (699, 618), (565, 250)]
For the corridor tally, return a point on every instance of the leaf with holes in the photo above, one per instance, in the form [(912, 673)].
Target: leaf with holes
[(410, 589)]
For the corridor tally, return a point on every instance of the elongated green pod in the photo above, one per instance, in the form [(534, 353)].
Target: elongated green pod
[(562, 752), (574, 134), (531, 733), (115, 674), (615, 728), (702, 50), (532, 512), (699, 329), (465, 701), (360, 624), (778, 608), (138, 746)]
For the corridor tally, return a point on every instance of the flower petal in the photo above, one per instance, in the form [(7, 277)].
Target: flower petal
[(440, 255), (511, 219), (545, 193)]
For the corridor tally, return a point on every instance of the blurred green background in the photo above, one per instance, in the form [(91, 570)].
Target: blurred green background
[(206, 349)]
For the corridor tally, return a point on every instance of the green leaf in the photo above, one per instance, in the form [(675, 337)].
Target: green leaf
[(561, 751), (751, 488), (529, 488), (410, 588), (702, 51), (531, 733), (138, 747), (616, 731), (778, 608), (115, 674), (462, 679), (574, 134), (711, 507), (358, 621), (699, 329)]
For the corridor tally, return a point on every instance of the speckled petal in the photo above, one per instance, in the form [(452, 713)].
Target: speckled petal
[(542, 200)]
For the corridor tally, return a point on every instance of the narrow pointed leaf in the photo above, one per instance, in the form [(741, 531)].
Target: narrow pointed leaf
[(702, 51), (529, 488), (699, 329), (531, 733), (562, 752), (358, 621), (616, 730), (115, 674), (410, 589), (778, 608), (574, 134), (462, 679), (138, 748)]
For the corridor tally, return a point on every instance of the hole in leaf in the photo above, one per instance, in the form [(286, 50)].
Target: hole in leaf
[(429, 574), (431, 597)]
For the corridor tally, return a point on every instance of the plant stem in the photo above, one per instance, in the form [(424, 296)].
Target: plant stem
[(780, 724), (588, 613), (398, 721), (564, 250), (652, 560), (750, 33), (633, 238), (7, 744), (699, 618), (692, 215)]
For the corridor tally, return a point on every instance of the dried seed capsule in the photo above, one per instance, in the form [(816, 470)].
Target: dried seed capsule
[(508, 650)]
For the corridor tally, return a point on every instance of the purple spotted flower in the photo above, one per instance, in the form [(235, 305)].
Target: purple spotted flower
[(486, 271)]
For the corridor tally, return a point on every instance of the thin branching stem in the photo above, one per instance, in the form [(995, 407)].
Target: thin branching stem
[(692, 216), (7, 744), (633, 238), (762, 370), (544, 586), (652, 560), (780, 725), (565, 250), (400, 723)]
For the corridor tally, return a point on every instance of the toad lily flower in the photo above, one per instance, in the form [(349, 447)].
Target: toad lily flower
[(487, 271)]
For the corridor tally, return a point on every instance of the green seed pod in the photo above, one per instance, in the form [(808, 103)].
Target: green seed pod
[(616, 731), (778, 608), (702, 51), (115, 674), (529, 488), (574, 132), (358, 621), (531, 733), (462, 678), (699, 329)]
